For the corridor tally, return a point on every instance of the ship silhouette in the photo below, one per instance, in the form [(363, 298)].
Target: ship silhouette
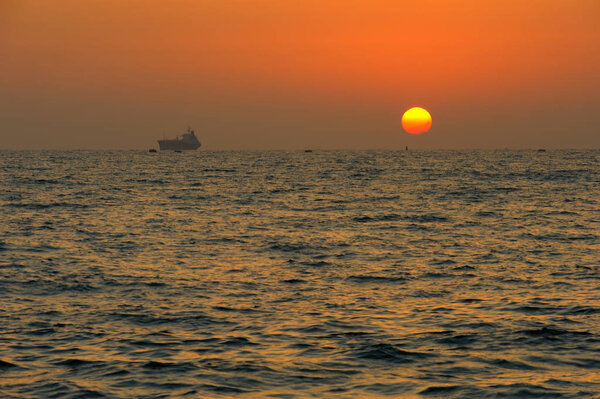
[(188, 141)]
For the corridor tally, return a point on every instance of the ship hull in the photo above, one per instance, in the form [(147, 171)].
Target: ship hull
[(177, 145)]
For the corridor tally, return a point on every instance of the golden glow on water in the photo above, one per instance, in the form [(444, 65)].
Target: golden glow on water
[(331, 274)]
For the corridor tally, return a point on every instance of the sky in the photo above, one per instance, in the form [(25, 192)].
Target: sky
[(297, 74)]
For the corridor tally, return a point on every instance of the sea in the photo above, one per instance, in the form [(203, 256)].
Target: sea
[(293, 274)]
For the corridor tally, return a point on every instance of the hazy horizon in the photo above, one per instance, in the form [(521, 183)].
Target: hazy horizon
[(267, 75), (366, 149)]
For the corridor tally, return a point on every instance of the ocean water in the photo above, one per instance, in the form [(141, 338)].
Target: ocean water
[(331, 274)]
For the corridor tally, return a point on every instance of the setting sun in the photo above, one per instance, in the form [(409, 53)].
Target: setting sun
[(416, 120)]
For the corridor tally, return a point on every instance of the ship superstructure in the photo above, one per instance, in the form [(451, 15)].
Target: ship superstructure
[(188, 141)]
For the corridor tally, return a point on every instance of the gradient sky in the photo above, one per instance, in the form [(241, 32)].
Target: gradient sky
[(294, 74)]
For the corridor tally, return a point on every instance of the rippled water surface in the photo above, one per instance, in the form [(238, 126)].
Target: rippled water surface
[(291, 274)]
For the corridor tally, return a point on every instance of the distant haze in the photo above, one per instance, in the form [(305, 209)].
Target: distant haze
[(295, 74)]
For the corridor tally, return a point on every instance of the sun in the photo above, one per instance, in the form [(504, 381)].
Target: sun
[(416, 120)]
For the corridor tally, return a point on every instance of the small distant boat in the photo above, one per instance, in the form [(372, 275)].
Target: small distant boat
[(307, 150), (188, 141), (541, 150), (152, 150)]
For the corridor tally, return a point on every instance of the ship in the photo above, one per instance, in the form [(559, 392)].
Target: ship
[(188, 141)]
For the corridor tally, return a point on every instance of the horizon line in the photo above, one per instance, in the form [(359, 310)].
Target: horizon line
[(315, 149)]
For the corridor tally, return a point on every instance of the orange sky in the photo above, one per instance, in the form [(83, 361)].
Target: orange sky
[(299, 73)]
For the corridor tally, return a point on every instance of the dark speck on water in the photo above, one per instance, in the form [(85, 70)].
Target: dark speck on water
[(464, 274)]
